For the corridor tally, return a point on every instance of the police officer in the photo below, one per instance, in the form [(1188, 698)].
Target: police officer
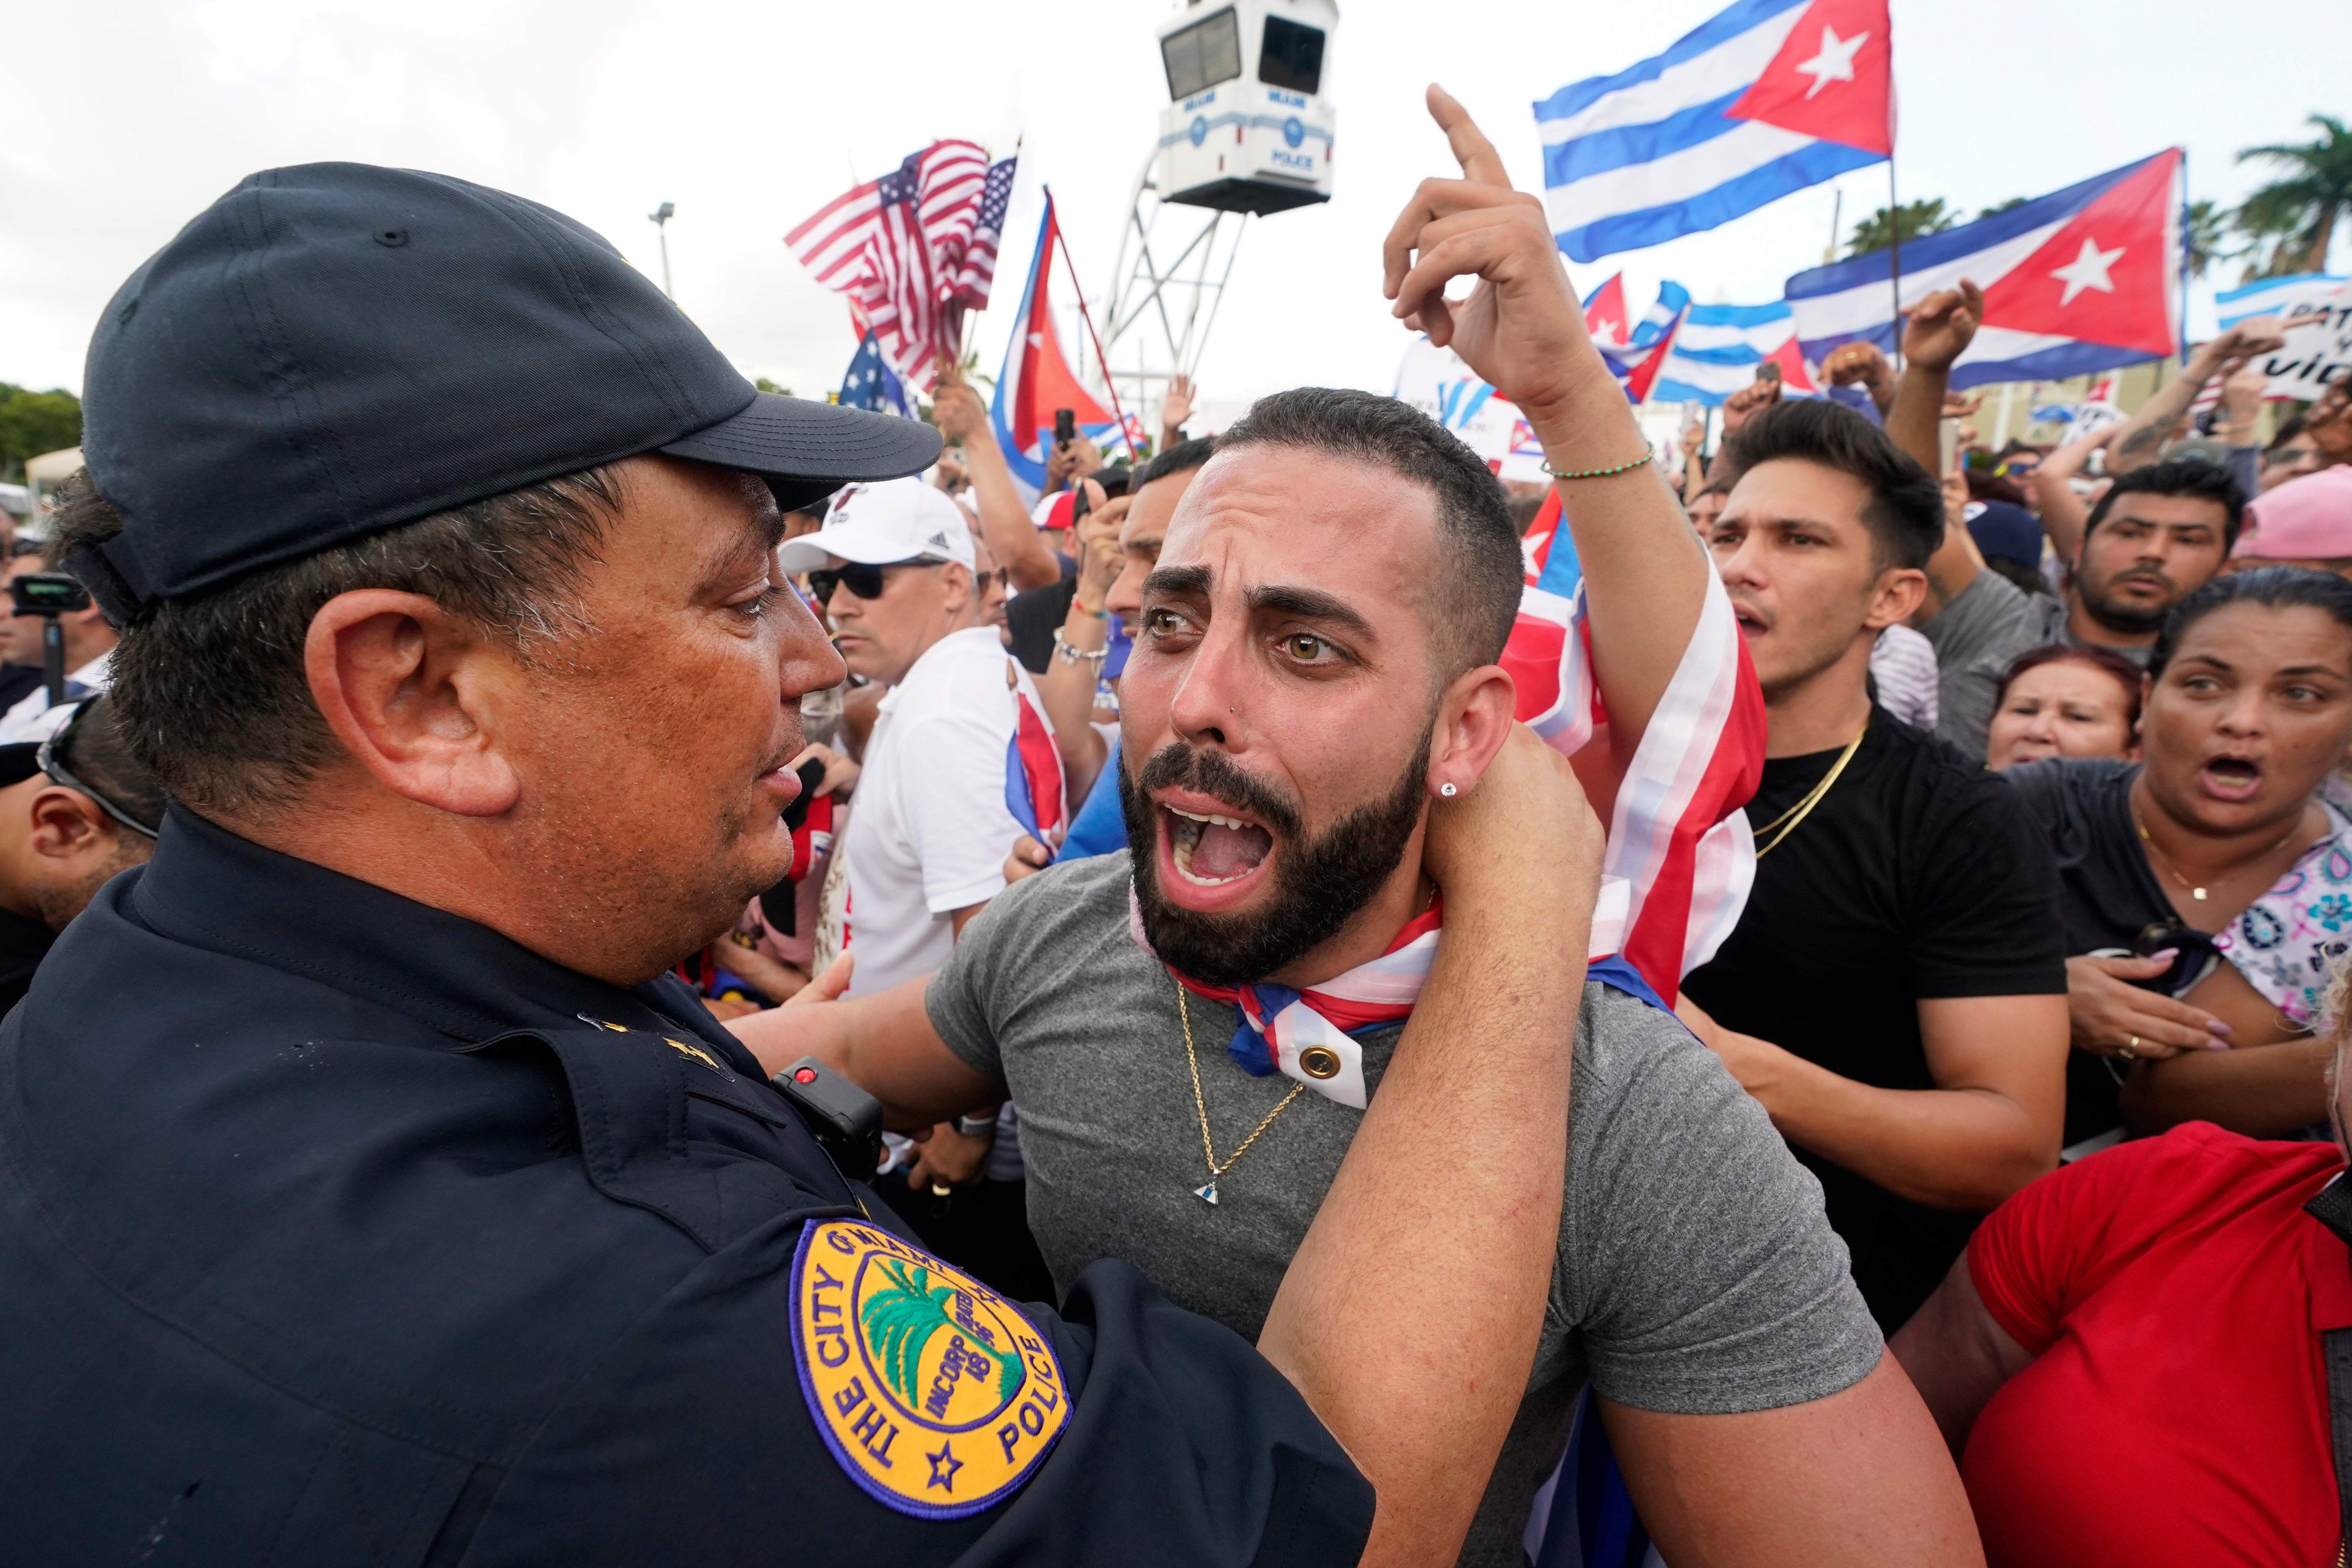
[(369, 1194)]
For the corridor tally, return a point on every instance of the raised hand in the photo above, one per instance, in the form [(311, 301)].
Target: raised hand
[(1176, 407), (958, 411), (1744, 402), (1522, 327), (1942, 325), (1858, 364)]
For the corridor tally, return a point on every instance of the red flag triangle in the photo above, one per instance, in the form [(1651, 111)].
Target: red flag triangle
[(1832, 79)]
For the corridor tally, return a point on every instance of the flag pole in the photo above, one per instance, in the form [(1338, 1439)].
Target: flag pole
[(1894, 254), (1092, 336), (2188, 239)]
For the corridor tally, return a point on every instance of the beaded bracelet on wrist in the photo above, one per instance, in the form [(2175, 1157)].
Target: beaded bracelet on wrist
[(1648, 452), (1068, 655)]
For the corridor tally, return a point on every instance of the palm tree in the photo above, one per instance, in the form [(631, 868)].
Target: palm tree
[(1911, 220), (2300, 211), (2206, 233), (902, 1319)]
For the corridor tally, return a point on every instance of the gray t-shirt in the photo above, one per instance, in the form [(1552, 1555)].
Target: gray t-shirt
[(1696, 1272), (1977, 636)]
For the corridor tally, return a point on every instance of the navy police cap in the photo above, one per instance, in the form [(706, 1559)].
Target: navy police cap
[(330, 351)]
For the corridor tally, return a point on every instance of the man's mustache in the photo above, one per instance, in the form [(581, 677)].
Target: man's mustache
[(1214, 773)]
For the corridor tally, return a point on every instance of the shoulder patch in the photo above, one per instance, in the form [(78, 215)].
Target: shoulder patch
[(933, 1391)]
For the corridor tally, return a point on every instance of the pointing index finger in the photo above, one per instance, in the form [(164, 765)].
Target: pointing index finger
[(1480, 163)]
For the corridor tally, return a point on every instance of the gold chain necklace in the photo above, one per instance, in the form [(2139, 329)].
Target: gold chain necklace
[(2195, 892), (1803, 808), (1208, 1194)]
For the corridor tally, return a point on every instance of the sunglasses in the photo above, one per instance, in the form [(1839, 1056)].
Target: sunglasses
[(865, 582), (45, 761)]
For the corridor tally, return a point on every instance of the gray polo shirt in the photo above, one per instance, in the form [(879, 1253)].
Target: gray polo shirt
[(1696, 1273), (1977, 636)]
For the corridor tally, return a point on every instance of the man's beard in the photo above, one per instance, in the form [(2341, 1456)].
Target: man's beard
[(2126, 619), (1319, 883)]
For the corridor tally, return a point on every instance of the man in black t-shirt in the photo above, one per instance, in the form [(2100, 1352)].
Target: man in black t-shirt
[(1894, 993)]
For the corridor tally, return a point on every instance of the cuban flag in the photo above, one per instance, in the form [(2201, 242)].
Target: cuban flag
[(872, 383), (2085, 279), (1721, 347), (1761, 99), (1035, 379), (1635, 349), (1032, 767)]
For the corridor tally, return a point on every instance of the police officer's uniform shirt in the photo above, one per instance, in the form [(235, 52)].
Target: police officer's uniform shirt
[(1696, 1273), (339, 1229)]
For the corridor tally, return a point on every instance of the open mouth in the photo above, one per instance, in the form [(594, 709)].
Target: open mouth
[(1213, 850), (2230, 778), (1751, 624)]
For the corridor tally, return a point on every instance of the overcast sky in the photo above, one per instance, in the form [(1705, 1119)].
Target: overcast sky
[(749, 116)]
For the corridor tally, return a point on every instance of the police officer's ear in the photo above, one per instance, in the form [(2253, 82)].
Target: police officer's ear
[(69, 825), (419, 698)]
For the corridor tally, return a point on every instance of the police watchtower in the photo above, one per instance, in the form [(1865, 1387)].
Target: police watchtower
[(1246, 132)]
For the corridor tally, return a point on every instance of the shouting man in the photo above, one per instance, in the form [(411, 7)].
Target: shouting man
[(1316, 665)]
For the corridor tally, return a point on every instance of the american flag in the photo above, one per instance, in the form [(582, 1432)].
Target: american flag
[(913, 250)]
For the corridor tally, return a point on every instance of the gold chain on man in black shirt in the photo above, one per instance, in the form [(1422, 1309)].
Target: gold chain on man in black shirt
[(1803, 808)]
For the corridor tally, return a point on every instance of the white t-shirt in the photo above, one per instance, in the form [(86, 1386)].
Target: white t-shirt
[(929, 826), (31, 718)]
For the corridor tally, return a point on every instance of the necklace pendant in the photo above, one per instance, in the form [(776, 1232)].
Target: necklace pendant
[(2197, 894), (1207, 1195)]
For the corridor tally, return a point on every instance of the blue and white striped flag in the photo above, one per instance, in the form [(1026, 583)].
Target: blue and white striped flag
[(2274, 296), (1764, 98), (1720, 347)]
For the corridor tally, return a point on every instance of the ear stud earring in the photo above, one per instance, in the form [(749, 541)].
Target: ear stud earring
[(1446, 790)]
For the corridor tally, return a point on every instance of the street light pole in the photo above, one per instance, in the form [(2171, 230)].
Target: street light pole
[(660, 217)]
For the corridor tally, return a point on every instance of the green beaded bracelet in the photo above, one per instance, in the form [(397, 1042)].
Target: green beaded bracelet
[(1648, 452)]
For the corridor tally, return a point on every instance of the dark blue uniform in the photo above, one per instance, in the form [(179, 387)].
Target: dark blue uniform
[(336, 1228)]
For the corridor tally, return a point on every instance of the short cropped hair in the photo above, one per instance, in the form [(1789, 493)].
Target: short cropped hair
[(1905, 513), (1179, 459), (210, 689), (1476, 585), (2194, 477)]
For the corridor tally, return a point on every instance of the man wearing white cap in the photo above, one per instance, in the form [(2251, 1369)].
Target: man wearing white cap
[(961, 746)]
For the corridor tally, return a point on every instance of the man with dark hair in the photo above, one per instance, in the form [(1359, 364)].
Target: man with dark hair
[(1894, 992), (368, 1190), (1109, 590), (1194, 1026), (2160, 532), (74, 810), (2291, 454)]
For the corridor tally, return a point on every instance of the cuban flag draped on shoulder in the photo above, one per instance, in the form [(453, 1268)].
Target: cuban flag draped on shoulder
[(1035, 379), (1761, 99), (1680, 858), (2082, 279)]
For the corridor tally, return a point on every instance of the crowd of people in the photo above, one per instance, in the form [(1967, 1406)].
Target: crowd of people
[(1231, 971)]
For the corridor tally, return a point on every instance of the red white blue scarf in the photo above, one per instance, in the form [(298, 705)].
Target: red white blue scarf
[(1275, 1024)]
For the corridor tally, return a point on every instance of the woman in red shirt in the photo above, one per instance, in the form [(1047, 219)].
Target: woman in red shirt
[(2129, 1361)]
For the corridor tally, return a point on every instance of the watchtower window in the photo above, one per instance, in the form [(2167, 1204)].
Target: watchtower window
[(1292, 57), (1206, 53)]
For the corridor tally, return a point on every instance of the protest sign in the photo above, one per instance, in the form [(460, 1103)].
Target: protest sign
[(1436, 381), (2318, 348)]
